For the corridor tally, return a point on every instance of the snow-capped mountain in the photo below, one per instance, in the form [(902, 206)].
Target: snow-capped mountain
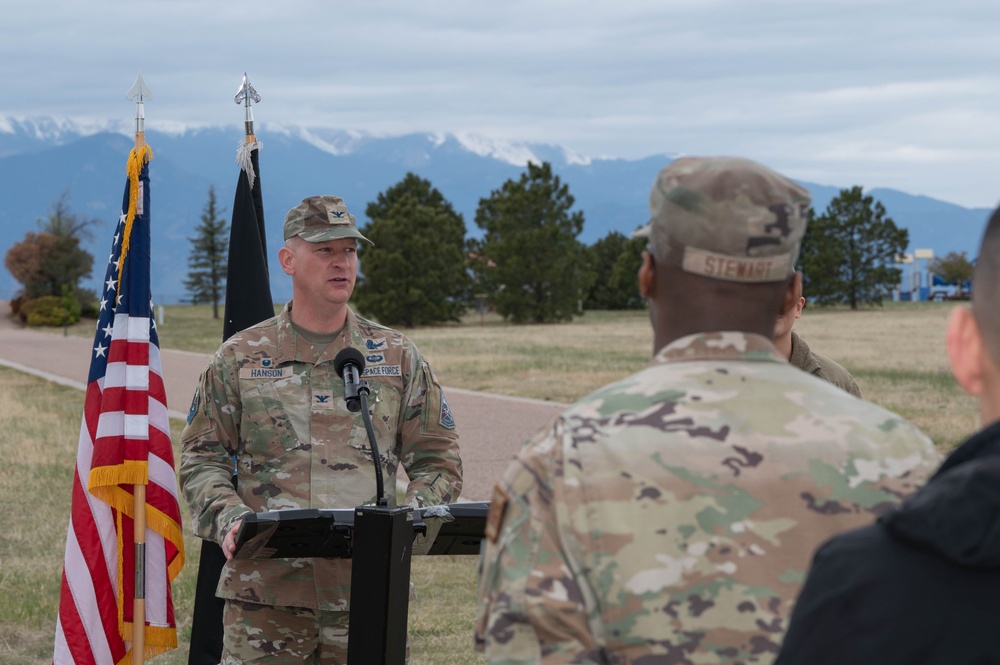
[(40, 158)]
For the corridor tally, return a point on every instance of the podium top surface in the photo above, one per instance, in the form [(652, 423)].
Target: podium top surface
[(328, 532)]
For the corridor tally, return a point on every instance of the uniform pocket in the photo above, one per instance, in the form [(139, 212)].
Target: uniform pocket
[(266, 425)]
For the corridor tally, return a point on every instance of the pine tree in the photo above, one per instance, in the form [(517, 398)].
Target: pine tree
[(848, 253), (614, 262), (206, 278), (415, 273), (529, 260)]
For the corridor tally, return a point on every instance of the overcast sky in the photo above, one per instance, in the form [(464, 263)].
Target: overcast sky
[(881, 93)]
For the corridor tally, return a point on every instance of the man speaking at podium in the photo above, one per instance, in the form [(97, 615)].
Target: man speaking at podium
[(271, 400)]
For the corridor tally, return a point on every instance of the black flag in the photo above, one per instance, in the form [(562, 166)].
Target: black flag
[(248, 286), (248, 301)]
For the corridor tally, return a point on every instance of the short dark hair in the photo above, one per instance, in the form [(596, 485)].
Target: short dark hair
[(986, 287)]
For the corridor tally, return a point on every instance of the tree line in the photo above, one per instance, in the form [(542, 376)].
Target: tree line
[(528, 263), (49, 265)]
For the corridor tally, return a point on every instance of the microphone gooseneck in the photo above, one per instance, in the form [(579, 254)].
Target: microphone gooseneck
[(376, 456), (349, 363)]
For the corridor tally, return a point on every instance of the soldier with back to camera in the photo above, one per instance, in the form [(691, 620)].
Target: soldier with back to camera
[(670, 517)]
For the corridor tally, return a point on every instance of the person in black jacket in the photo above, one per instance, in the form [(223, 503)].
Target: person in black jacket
[(922, 585)]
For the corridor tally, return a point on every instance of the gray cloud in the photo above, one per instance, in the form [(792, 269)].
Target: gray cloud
[(892, 93)]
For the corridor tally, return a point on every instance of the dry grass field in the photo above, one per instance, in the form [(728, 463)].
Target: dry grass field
[(41, 425), (896, 354)]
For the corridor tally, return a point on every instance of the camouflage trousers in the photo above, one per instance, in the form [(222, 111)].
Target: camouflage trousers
[(255, 633)]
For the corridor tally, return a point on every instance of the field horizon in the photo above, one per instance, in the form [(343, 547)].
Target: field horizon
[(896, 353)]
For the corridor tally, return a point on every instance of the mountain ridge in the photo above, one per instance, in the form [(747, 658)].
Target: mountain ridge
[(41, 158)]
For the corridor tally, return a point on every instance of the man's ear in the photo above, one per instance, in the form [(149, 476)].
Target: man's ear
[(647, 276), (286, 258), (964, 343), (792, 294), (800, 304)]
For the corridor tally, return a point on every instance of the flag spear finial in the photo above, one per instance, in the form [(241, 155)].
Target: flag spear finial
[(139, 92), (244, 96)]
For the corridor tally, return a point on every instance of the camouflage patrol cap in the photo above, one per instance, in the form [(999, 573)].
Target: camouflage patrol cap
[(322, 218), (727, 218)]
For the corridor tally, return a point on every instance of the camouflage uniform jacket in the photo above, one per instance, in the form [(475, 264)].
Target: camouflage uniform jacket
[(671, 517), (271, 401), (821, 366)]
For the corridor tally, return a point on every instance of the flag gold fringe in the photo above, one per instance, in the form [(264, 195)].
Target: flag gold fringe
[(157, 638), (105, 478), (171, 530), (136, 160), (109, 483), (121, 500), (165, 638)]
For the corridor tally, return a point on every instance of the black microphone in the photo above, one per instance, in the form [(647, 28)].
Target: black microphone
[(350, 363)]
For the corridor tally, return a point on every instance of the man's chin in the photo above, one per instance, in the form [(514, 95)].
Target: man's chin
[(340, 294)]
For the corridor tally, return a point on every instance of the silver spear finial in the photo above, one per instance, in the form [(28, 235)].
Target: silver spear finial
[(140, 93), (244, 95)]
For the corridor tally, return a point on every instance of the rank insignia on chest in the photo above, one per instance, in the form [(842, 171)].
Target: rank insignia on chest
[(323, 400)]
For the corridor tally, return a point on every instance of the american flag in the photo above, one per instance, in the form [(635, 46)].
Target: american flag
[(124, 441)]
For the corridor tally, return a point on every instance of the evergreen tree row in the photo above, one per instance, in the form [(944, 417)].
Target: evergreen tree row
[(528, 265)]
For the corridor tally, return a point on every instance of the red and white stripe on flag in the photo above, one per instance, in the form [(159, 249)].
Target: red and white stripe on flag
[(124, 441)]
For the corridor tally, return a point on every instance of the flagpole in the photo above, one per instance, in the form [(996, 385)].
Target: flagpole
[(248, 301), (246, 94), (139, 92), (139, 604)]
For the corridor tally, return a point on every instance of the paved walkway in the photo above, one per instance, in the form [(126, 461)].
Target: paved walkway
[(493, 427)]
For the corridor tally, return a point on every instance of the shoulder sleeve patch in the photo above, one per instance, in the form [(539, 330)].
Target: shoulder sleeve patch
[(427, 401), (195, 403), (446, 419)]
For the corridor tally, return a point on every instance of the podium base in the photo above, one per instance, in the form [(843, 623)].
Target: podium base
[(380, 585)]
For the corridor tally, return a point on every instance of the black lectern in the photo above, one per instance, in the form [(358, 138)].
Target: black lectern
[(379, 539), (380, 585)]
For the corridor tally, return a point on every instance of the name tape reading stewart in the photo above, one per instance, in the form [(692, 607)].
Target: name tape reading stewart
[(749, 269)]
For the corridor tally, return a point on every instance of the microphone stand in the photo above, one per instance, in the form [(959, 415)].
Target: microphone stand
[(380, 572)]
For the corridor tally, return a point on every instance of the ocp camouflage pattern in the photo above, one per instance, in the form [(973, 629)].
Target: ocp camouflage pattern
[(671, 517), (727, 218), (269, 399)]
